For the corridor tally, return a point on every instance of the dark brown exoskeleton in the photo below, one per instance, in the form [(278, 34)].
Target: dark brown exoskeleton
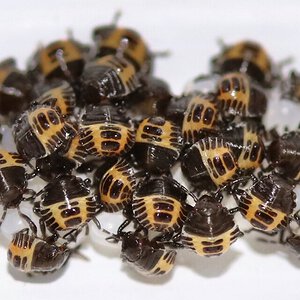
[(176, 109), (66, 204), (108, 77), (40, 131), (28, 253), (13, 182), (151, 99), (158, 144), (149, 258), (268, 203), (200, 118), (245, 57), (69, 157), (105, 131), (237, 95), (210, 164), (284, 155), (210, 228), (15, 91)]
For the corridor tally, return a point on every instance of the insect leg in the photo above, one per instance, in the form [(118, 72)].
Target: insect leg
[(32, 226), (3, 215)]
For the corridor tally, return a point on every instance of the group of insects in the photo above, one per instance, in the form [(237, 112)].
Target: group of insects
[(98, 111)]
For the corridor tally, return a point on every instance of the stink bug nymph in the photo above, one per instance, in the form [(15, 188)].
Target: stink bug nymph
[(247, 145), (268, 203), (40, 131), (109, 39), (147, 257), (15, 90), (284, 154), (199, 118), (210, 164), (13, 181), (105, 131), (30, 254), (158, 144), (245, 57), (66, 204), (238, 96), (117, 186), (58, 94), (108, 77), (210, 228), (62, 59), (159, 204)]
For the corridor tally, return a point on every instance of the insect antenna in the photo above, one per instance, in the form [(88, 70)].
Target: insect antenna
[(116, 17), (60, 58)]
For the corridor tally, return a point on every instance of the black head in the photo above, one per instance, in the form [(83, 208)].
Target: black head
[(12, 197), (277, 191), (207, 206), (151, 99), (51, 166), (209, 218), (50, 257), (285, 148), (132, 247)]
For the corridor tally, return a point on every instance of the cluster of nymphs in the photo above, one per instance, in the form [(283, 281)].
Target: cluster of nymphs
[(97, 112)]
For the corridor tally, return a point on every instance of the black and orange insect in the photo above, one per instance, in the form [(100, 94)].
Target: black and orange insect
[(238, 96), (30, 254), (117, 185), (108, 77), (15, 90), (105, 131), (268, 203), (62, 59), (40, 131), (13, 182), (210, 228), (149, 258), (69, 157), (200, 118), (158, 144), (58, 94), (109, 39), (284, 155), (209, 164), (159, 204), (245, 57), (246, 143), (66, 204)]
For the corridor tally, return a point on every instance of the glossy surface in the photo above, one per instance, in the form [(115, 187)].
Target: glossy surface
[(190, 30)]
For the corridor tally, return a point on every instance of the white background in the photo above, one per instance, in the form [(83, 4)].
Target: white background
[(189, 29)]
